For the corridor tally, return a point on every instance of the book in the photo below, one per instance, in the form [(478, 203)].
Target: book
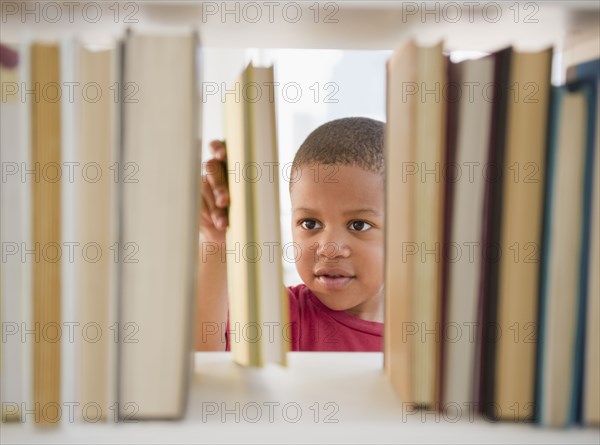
[(428, 225), (258, 298), (95, 228), (46, 230), (588, 411), (70, 247), (591, 393), (452, 120), (399, 201), (158, 241), (465, 187), (521, 235), (12, 231), (485, 339), (561, 261), (420, 238)]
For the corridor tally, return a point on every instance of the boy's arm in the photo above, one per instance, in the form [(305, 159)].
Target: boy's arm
[(212, 299), (212, 304)]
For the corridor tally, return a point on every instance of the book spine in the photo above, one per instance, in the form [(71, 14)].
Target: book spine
[(492, 214), (46, 153)]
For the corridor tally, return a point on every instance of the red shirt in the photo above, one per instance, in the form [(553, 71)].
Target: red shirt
[(315, 327)]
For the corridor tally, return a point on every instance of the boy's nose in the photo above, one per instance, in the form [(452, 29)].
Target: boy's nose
[(331, 248)]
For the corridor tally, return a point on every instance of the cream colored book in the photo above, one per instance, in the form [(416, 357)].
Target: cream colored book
[(258, 298), (521, 230), (95, 228), (272, 294), (399, 151), (158, 244), (68, 297)]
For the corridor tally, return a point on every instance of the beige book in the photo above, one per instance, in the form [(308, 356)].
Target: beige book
[(46, 202), (415, 135), (428, 224), (240, 274), (258, 298), (159, 223), (95, 229), (520, 238)]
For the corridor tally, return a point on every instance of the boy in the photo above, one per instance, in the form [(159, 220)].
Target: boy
[(337, 221)]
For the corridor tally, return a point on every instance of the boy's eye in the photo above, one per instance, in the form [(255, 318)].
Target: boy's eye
[(360, 226), (310, 224)]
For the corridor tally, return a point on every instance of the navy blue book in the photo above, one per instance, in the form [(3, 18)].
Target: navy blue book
[(565, 253)]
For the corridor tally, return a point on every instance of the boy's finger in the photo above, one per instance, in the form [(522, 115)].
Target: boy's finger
[(219, 218), (215, 176), (221, 197), (208, 197), (205, 217), (210, 209), (218, 149), (211, 222)]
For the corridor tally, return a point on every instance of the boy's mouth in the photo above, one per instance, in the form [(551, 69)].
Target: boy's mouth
[(334, 279)]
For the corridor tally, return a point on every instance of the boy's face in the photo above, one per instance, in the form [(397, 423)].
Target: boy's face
[(337, 220)]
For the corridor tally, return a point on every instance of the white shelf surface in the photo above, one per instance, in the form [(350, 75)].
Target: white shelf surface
[(360, 399)]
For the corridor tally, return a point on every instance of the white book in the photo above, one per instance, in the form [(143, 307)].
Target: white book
[(26, 217), (472, 138), (159, 223), (13, 235)]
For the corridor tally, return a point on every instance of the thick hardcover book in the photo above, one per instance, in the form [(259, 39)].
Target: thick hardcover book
[(160, 164), (524, 170)]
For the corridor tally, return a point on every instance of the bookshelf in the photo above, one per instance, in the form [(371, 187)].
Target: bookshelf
[(348, 387), (341, 25)]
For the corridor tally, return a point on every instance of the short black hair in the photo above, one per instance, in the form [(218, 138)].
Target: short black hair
[(355, 141)]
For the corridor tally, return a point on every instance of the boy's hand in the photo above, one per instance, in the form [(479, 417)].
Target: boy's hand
[(215, 195)]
